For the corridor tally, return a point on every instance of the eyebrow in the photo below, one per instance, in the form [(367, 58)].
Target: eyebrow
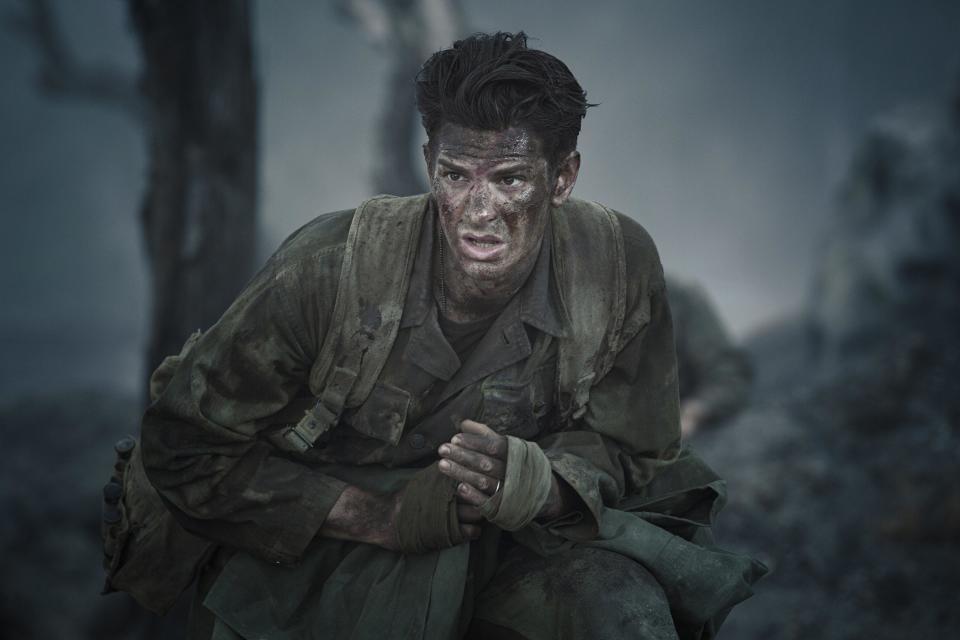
[(451, 164), (506, 167), (513, 166)]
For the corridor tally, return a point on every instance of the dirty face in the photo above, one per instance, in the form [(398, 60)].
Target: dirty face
[(494, 191)]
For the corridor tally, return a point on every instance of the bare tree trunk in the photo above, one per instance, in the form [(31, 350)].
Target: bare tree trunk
[(396, 169), (199, 210), (197, 103)]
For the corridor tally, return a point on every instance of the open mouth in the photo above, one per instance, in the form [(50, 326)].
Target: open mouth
[(483, 242), (481, 247)]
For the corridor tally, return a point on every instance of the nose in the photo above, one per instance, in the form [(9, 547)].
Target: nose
[(480, 207)]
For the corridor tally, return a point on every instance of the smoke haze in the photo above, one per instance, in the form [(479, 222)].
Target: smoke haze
[(723, 127)]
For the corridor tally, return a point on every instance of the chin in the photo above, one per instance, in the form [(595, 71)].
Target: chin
[(485, 270)]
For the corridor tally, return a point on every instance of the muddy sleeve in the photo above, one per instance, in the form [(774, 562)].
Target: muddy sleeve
[(631, 428), (203, 448)]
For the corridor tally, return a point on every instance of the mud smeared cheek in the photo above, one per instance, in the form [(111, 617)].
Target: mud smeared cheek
[(521, 212), (445, 205)]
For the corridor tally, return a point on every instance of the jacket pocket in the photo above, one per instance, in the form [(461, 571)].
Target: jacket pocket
[(508, 408), (383, 414)]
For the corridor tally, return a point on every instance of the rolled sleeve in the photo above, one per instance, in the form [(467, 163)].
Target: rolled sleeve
[(204, 442)]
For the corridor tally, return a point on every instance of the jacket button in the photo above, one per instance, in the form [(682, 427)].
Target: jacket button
[(417, 441)]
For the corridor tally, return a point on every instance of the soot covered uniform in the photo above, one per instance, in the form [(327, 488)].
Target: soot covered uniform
[(638, 549)]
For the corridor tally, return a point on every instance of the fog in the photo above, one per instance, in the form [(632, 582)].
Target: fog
[(723, 127)]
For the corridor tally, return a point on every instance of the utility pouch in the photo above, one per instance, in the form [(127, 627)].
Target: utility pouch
[(145, 550)]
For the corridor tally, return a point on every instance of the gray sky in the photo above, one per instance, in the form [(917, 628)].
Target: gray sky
[(724, 127)]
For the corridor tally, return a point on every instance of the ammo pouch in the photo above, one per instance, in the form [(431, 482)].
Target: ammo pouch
[(146, 551)]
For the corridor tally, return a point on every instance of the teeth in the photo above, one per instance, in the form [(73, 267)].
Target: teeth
[(482, 243)]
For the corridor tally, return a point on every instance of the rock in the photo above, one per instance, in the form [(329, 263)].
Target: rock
[(843, 472)]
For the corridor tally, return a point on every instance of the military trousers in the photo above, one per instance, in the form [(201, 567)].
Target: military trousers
[(516, 593)]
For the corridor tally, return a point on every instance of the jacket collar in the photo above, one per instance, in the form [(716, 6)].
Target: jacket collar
[(537, 301)]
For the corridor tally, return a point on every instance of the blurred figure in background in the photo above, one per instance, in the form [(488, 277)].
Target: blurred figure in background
[(715, 374)]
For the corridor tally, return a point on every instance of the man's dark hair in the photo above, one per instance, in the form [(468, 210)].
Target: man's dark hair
[(493, 82)]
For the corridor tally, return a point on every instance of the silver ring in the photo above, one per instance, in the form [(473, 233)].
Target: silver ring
[(497, 490)]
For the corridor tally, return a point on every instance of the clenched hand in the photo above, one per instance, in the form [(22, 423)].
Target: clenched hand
[(477, 458)]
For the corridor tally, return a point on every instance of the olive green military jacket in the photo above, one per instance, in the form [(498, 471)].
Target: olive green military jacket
[(209, 439), (204, 439)]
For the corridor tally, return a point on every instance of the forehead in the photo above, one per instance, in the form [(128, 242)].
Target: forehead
[(461, 143)]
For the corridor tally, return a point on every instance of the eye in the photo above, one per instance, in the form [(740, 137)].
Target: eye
[(452, 176), (511, 181)]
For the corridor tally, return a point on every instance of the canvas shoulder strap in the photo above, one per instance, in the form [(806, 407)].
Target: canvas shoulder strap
[(591, 272), (374, 277)]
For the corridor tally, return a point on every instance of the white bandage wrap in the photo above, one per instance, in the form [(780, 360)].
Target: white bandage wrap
[(525, 488)]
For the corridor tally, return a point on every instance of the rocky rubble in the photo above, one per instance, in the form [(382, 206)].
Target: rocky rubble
[(844, 471)]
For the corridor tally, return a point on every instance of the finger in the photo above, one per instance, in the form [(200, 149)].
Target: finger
[(468, 513), (457, 471), (495, 446), (471, 495), (470, 531), (474, 461), (476, 428)]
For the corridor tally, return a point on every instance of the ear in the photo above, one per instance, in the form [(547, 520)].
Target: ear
[(567, 173)]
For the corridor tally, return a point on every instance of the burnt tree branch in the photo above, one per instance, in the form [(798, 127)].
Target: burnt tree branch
[(61, 75)]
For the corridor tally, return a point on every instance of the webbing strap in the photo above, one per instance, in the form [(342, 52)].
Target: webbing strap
[(374, 276), (325, 414), (590, 262)]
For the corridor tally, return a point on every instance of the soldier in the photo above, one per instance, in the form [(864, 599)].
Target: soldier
[(491, 443), (715, 375)]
